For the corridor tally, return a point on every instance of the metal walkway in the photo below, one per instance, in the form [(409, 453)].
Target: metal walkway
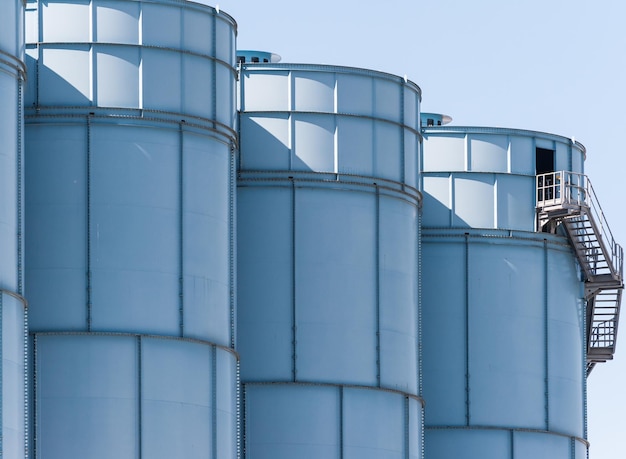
[(568, 198)]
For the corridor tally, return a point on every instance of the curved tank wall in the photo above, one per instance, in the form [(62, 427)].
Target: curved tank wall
[(503, 305), (494, 167), (13, 405), (328, 262), (130, 117)]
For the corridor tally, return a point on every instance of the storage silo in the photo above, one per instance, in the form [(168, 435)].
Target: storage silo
[(328, 255), (130, 118), (13, 406), (505, 294)]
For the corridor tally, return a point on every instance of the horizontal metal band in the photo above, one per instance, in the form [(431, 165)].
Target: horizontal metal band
[(339, 181), (12, 65), (131, 116), (95, 44), (410, 128), (17, 296), (510, 429), (335, 385), (138, 335)]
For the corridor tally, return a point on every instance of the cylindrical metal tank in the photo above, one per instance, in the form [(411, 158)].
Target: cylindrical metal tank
[(13, 406), (503, 303), (130, 131), (328, 221)]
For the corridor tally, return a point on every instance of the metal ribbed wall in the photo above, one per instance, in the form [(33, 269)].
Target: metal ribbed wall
[(328, 218), (503, 305), (130, 253), (13, 406)]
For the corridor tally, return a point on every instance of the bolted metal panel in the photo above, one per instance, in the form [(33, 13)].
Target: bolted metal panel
[(133, 396), (307, 420), (502, 302), (130, 128), (327, 271)]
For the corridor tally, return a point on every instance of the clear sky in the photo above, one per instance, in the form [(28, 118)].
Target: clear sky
[(556, 66)]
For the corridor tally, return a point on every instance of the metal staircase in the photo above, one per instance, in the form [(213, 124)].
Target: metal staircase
[(567, 199)]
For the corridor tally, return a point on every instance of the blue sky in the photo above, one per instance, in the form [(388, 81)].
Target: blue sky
[(554, 66)]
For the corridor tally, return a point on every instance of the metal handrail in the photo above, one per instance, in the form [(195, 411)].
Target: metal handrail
[(574, 190)]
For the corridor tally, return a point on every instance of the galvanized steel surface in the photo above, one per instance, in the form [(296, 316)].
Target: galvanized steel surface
[(327, 262), (130, 136), (503, 305)]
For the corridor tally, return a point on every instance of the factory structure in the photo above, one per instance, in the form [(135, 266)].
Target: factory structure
[(211, 254)]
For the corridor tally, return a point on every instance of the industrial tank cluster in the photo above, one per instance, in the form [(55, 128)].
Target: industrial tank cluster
[(225, 256)]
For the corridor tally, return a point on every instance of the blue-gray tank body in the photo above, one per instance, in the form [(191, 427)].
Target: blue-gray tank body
[(503, 304), (130, 120), (328, 223)]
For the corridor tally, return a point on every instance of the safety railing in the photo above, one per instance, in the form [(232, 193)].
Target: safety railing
[(573, 192)]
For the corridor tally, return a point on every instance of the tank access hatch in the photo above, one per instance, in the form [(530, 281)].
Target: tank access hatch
[(567, 199)]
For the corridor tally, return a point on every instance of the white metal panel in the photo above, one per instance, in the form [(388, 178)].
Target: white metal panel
[(225, 41), (206, 239), (265, 142), (562, 156), (467, 444), (414, 428), (388, 151), (355, 94), (87, 388), (506, 338), (314, 92), (57, 229), (65, 75), (444, 154), (65, 22), (474, 200), (388, 98), (176, 399), (118, 70), (198, 86), (411, 108), (162, 80), (488, 153), (374, 424), (117, 22), (135, 269), (161, 25), (225, 111), (226, 404), (516, 202), (444, 331), (314, 143), (266, 91), (265, 283), (437, 201), (355, 148), (9, 42), (522, 155), (398, 295), (580, 450), (198, 32), (540, 446), (411, 158), (13, 361), (335, 286), (566, 344), (286, 422)]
